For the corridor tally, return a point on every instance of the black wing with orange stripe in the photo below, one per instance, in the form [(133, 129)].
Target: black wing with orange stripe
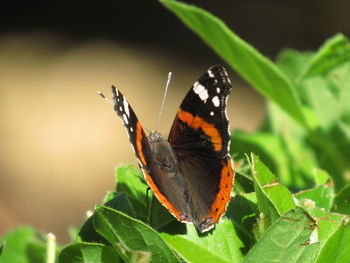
[(197, 185), (136, 134), (200, 138), (201, 124), (142, 146)]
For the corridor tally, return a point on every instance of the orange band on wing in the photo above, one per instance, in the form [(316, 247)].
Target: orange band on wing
[(162, 199), (139, 136), (196, 122), (223, 197)]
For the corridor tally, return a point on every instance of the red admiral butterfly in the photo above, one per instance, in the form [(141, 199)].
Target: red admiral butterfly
[(191, 173)]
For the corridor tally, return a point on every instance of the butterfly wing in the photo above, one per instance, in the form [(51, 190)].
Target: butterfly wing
[(142, 148), (200, 138), (135, 132)]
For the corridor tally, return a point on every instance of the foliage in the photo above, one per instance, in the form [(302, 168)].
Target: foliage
[(268, 223), (291, 205)]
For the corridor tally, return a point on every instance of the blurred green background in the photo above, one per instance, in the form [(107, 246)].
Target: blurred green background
[(60, 142)]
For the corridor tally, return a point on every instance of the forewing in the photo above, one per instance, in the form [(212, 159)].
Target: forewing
[(142, 149), (201, 123), (200, 137), (136, 134)]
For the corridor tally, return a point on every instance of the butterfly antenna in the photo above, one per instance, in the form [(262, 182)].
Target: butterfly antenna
[(163, 101), (104, 97)]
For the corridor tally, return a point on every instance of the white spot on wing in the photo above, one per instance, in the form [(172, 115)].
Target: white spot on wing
[(211, 113), (121, 108), (133, 149), (131, 129), (125, 119), (218, 90), (197, 87), (210, 74), (216, 101), (226, 108), (140, 164), (126, 107), (201, 91)]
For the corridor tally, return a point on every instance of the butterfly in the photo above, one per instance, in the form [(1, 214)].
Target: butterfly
[(191, 172)]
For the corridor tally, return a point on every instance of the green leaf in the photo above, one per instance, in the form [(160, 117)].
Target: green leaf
[(116, 201), (321, 195), (322, 100), (109, 196), (88, 233), (274, 199), (243, 183), (327, 223), (73, 233), (284, 155), (256, 69), (305, 151), (243, 179), (22, 246), (321, 177), (342, 201), (128, 181), (220, 245), (328, 95), (340, 79), (287, 240), (36, 251), (243, 213), (337, 247), (266, 145), (127, 234), (88, 253), (190, 251), (160, 218), (293, 63), (123, 203), (335, 51), (251, 197)]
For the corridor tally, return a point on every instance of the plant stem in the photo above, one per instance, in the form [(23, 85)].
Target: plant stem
[(51, 248)]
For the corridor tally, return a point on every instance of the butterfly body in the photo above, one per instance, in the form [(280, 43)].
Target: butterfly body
[(191, 172)]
